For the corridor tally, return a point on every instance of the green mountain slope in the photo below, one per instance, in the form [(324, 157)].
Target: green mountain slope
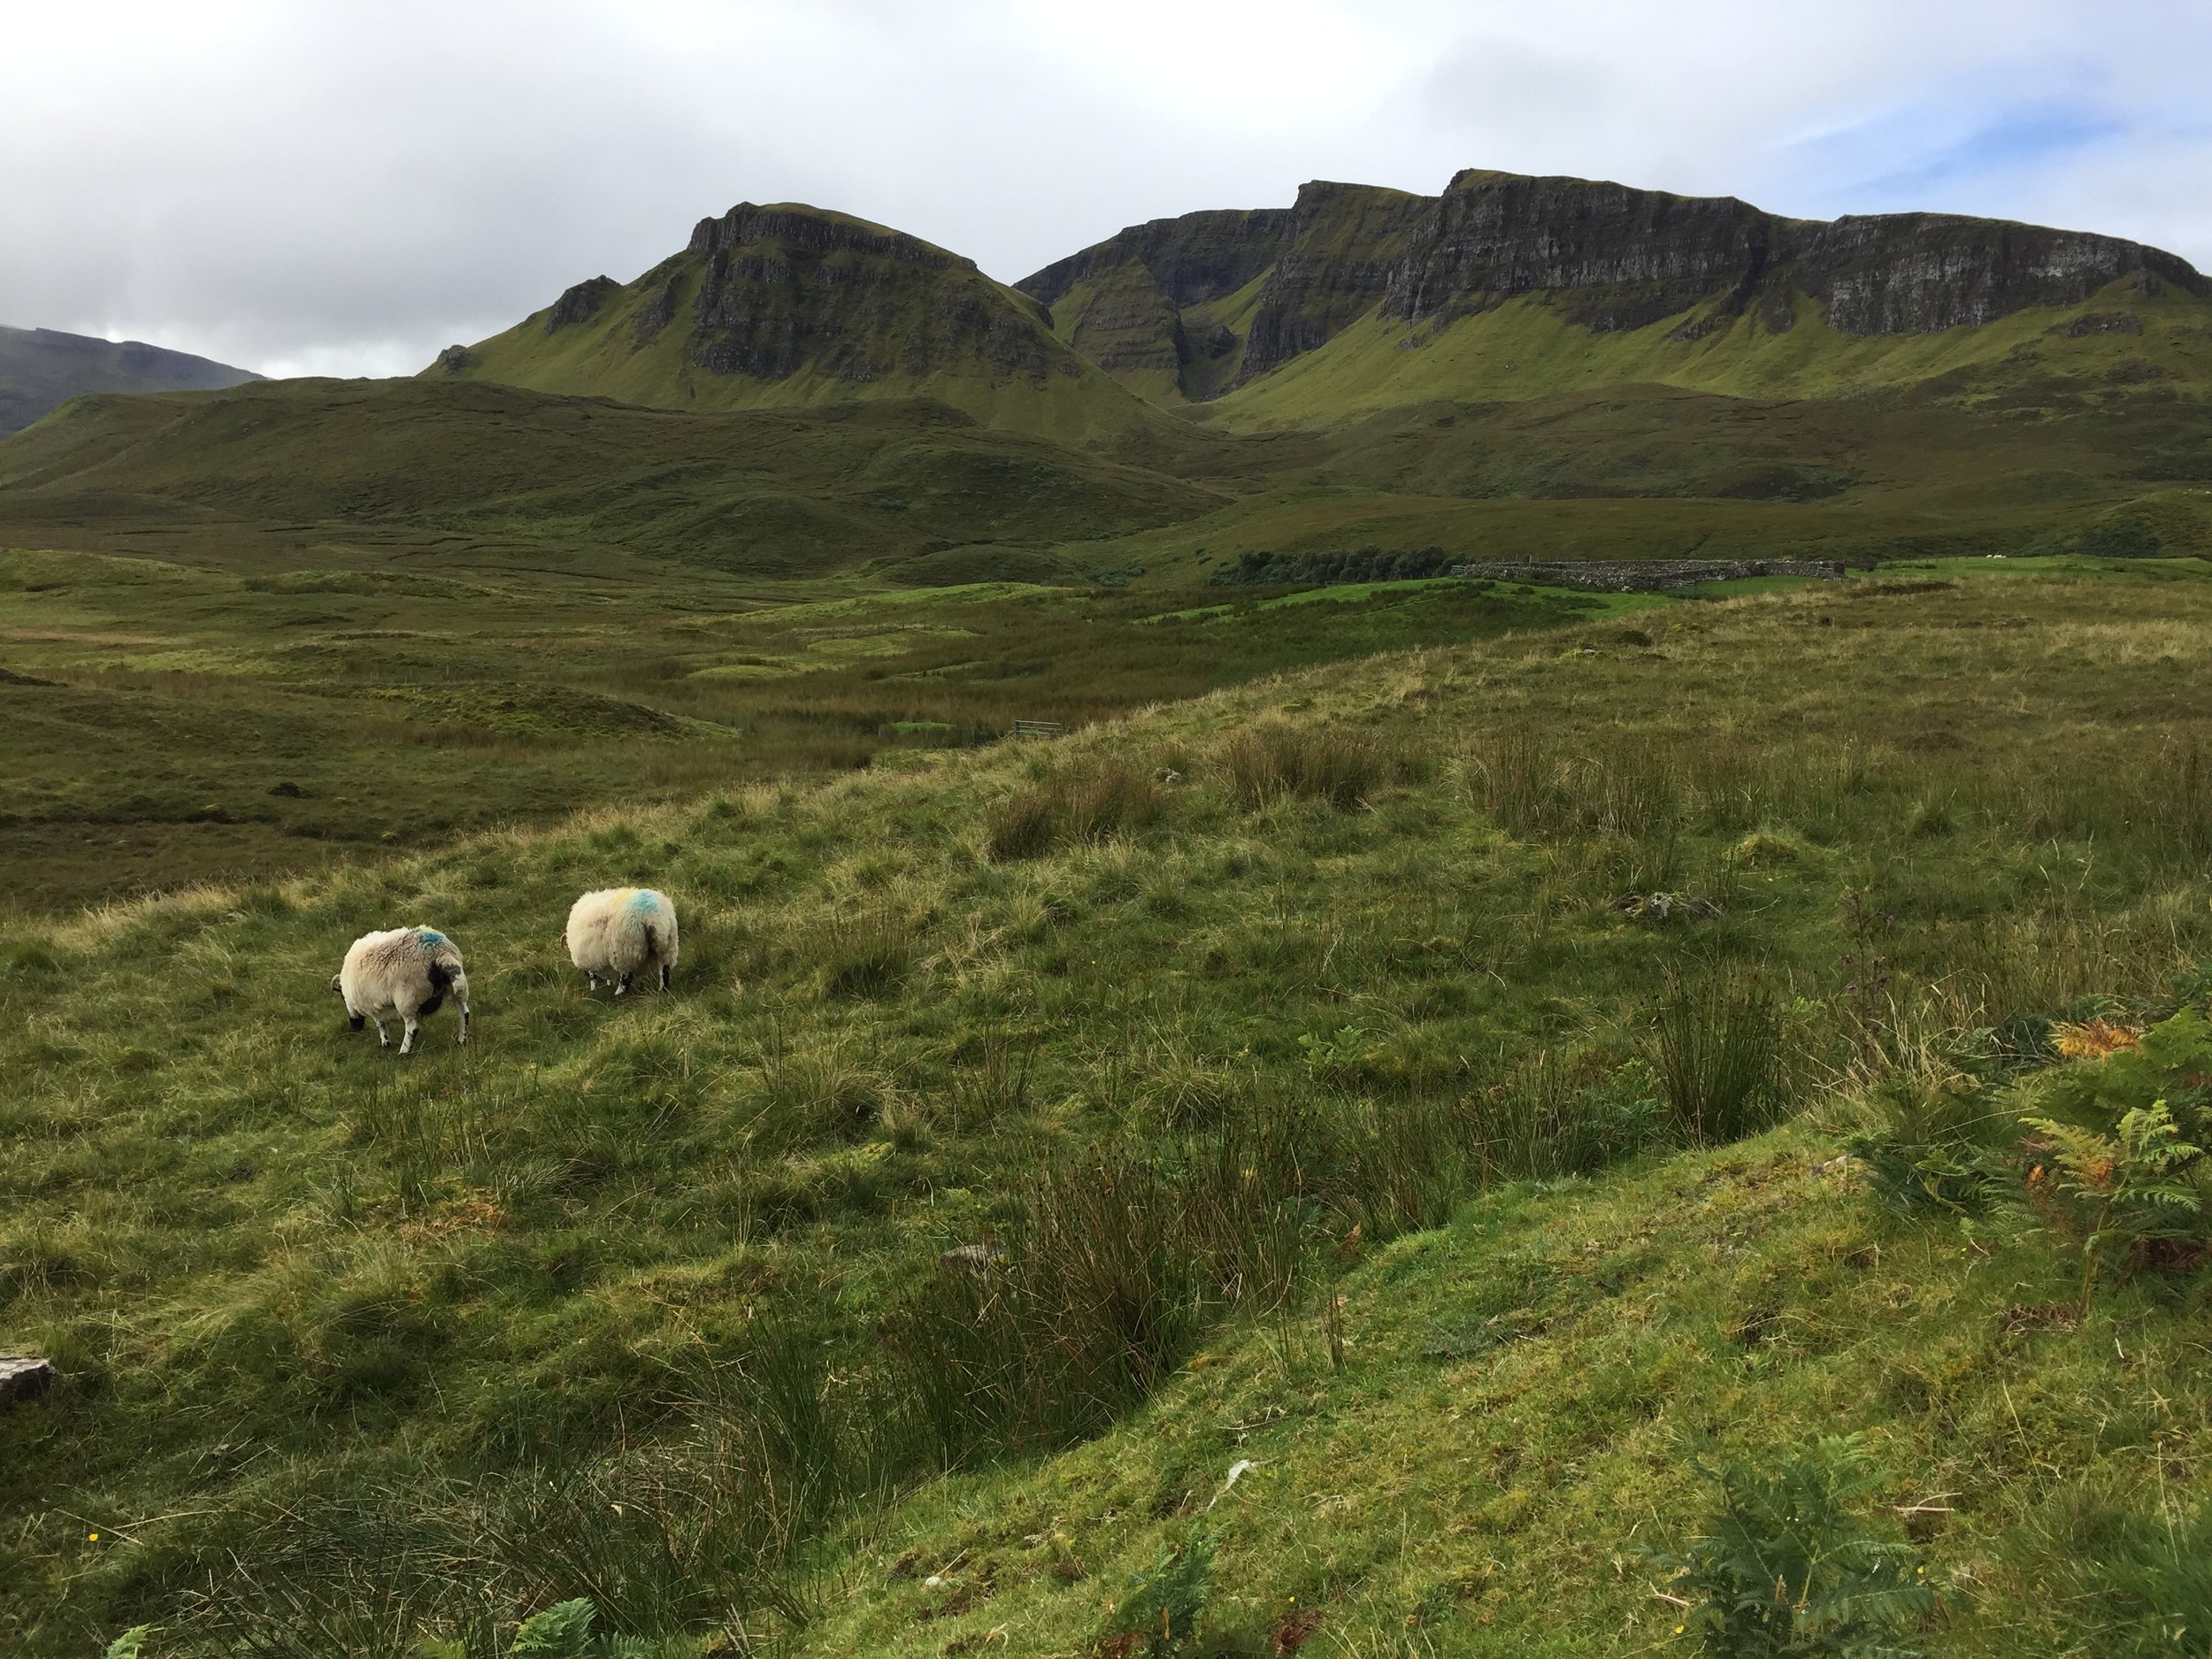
[(792, 305), (1357, 298), (787, 493), (41, 368)]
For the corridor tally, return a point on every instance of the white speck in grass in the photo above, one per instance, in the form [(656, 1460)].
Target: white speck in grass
[(1237, 1472)]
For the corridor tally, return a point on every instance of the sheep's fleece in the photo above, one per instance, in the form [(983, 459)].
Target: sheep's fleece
[(405, 973), (618, 932)]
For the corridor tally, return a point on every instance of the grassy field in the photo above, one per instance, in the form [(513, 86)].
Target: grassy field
[(1359, 1106), (170, 722)]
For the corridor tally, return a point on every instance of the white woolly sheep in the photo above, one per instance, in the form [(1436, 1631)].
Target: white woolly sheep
[(406, 973), (618, 932)]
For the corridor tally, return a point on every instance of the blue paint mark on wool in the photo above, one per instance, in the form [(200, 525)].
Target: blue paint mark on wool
[(429, 936), (645, 901)]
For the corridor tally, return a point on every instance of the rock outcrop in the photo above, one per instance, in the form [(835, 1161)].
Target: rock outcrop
[(580, 303), (1605, 255), (791, 304), (784, 289), (1198, 257)]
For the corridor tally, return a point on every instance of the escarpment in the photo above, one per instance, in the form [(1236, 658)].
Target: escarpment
[(1605, 256), (1307, 311), (789, 304)]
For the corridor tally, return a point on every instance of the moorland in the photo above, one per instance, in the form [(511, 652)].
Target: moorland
[(1470, 1116)]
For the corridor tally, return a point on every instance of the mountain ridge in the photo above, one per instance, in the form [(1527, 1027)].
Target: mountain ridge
[(1609, 257), (43, 368), (1268, 317), (786, 304)]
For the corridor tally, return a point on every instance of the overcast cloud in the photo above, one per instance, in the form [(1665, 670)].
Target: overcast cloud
[(338, 187)]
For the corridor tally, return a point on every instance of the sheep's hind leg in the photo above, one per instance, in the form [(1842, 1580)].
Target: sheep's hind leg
[(591, 981), (407, 1041), (382, 1042), (465, 1026), (622, 984), (663, 976)]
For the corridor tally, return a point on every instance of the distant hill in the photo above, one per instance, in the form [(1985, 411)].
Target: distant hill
[(789, 304), (41, 368), (1356, 298)]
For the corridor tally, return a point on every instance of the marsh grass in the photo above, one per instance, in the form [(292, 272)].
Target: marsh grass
[(1280, 760), (1716, 1048), (1079, 804)]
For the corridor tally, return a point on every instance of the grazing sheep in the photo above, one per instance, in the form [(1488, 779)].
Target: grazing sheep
[(618, 932), (406, 973)]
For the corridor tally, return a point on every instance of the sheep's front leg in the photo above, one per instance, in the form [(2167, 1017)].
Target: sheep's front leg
[(591, 981), (622, 984), (407, 1038), (382, 1042), (465, 1026), (663, 976)]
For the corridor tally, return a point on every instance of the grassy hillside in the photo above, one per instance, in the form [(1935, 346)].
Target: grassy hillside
[(792, 306), (641, 1301), (1524, 348), (168, 723), (766, 494)]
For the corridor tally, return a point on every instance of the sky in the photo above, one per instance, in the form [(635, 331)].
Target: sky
[(334, 187)]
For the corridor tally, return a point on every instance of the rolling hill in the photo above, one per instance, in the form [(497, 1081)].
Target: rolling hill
[(41, 368)]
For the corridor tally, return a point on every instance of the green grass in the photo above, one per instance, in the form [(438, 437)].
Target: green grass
[(641, 1301), (173, 723), (1524, 350)]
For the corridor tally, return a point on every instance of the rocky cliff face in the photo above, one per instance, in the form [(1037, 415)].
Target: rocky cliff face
[(1607, 257), (783, 290), (1191, 260), (1614, 258), (1343, 245), (788, 304)]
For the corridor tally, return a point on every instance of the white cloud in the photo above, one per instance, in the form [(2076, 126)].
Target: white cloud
[(349, 186)]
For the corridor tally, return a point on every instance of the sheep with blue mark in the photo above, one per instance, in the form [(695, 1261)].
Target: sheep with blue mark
[(618, 932), (405, 973)]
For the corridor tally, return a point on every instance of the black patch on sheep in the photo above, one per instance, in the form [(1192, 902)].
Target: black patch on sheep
[(354, 1022), (441, 981)]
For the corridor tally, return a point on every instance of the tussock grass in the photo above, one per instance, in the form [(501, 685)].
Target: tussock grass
[(1279, 760), (1083, 803), (1187, 1079)]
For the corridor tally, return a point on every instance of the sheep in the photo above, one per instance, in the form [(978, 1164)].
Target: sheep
[(618, 932), (407, 972)]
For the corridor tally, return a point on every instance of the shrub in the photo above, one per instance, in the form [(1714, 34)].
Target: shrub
[(1273, 760), (1716, 1049), (1784, 1566)]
